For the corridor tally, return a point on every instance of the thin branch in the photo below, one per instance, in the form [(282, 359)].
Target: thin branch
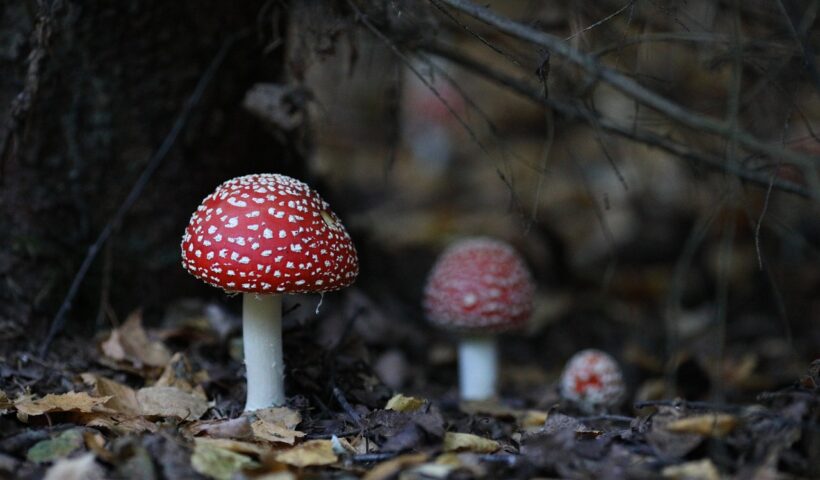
[(625, 84), (601, 21), (575, 111), (136, 191)]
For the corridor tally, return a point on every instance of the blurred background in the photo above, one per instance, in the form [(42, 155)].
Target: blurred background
[(688, 253)]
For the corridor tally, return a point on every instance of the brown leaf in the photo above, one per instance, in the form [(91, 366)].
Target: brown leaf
[(119, 424), (171, 402), (310, 453), (273, 432), (246, 448), (707, 425), (282, 416), (123, 399), (178, 373), (388, 469), (237, 428), (65, 402), (458, 442), (130, 344)]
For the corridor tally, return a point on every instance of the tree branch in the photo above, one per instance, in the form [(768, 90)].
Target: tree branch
[(575, 110), (628, 86)]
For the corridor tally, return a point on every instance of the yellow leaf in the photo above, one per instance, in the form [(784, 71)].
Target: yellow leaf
[(709, 425), (65, 402), (697, 470), (400, 403), (310, 453), (456, 442), (171, 402), (273, 432), (532, 418)]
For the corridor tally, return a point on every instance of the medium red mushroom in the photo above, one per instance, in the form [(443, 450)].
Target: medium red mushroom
[(592, 380), (479, 287), (263, 236)]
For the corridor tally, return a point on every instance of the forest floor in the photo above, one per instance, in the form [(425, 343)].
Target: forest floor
[(167, 403)]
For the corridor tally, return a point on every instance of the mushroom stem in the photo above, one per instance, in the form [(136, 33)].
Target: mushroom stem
[(262, 338), (477, 367)]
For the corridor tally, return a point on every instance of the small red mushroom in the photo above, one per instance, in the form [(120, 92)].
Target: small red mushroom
[(479, 287), (266, 235), (593, 380)]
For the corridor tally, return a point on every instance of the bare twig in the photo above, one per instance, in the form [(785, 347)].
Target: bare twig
[(627, 85), (602, 21), (577, 111), (136, 190)]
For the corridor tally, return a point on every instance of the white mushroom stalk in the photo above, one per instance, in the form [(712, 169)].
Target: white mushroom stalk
[(262, 339), (477, 367)]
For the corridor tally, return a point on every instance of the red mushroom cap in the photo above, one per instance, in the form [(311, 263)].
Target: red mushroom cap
[(268, 233), (592, 378), (480, 285)]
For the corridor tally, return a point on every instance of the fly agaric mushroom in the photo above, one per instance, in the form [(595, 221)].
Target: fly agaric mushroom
[(593, 380), (478, 287), (263, 236)]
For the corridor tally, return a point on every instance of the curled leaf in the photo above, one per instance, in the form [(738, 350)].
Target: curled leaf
[(459, 442), (400, 403)]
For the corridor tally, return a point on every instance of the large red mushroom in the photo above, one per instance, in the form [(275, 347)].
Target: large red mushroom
[(263, 236), (477, 288)]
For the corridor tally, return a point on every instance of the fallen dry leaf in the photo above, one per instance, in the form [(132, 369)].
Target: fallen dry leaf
[(245, 448), (391, 467), (171, 402), (218, 463), (283, 416), (123, 399), (708, 425), (64, 402), (178, 373), (119, 424), (459, 442), (532, 418), (130, 344), (697, 470), (236, 428), (400, 403), (310, 453), (273, 432), (80, 468)]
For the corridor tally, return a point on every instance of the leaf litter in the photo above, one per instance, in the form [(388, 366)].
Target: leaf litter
[(138, 418)]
